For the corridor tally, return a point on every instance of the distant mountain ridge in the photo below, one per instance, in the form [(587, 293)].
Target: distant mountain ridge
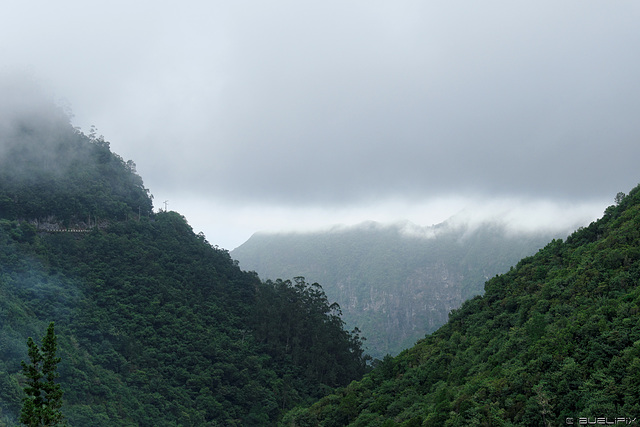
[(395, 282)]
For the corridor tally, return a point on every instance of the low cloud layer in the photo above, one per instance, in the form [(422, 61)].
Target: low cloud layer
[(347, 107)]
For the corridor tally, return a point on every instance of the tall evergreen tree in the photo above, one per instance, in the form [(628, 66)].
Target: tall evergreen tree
[(42, 405)]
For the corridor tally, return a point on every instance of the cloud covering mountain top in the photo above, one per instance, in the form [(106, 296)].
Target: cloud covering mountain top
[(334, 110)]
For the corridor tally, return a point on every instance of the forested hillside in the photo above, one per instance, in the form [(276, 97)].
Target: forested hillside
[(156, 327), (50, 172), (554, 341), (395, 282)]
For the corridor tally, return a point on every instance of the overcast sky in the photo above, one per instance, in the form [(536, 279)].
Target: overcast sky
[(266, 115)]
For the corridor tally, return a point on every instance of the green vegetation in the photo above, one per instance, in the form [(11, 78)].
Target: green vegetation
[(394, 282), (52, 173), (556, 337), (42, 405), (155, 326), (299, 329)]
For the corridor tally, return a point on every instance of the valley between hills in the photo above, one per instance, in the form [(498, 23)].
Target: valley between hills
[(156, 326)]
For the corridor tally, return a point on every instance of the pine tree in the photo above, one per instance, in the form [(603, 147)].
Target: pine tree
[(42, 405)]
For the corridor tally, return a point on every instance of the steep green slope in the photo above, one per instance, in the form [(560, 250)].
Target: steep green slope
[(395, 282), (156, 327), (555, 339)]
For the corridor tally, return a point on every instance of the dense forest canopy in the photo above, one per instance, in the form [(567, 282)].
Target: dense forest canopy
[(156, 327)]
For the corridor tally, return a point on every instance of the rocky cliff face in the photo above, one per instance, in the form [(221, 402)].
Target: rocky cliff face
[(395, 288), (407, 310)]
